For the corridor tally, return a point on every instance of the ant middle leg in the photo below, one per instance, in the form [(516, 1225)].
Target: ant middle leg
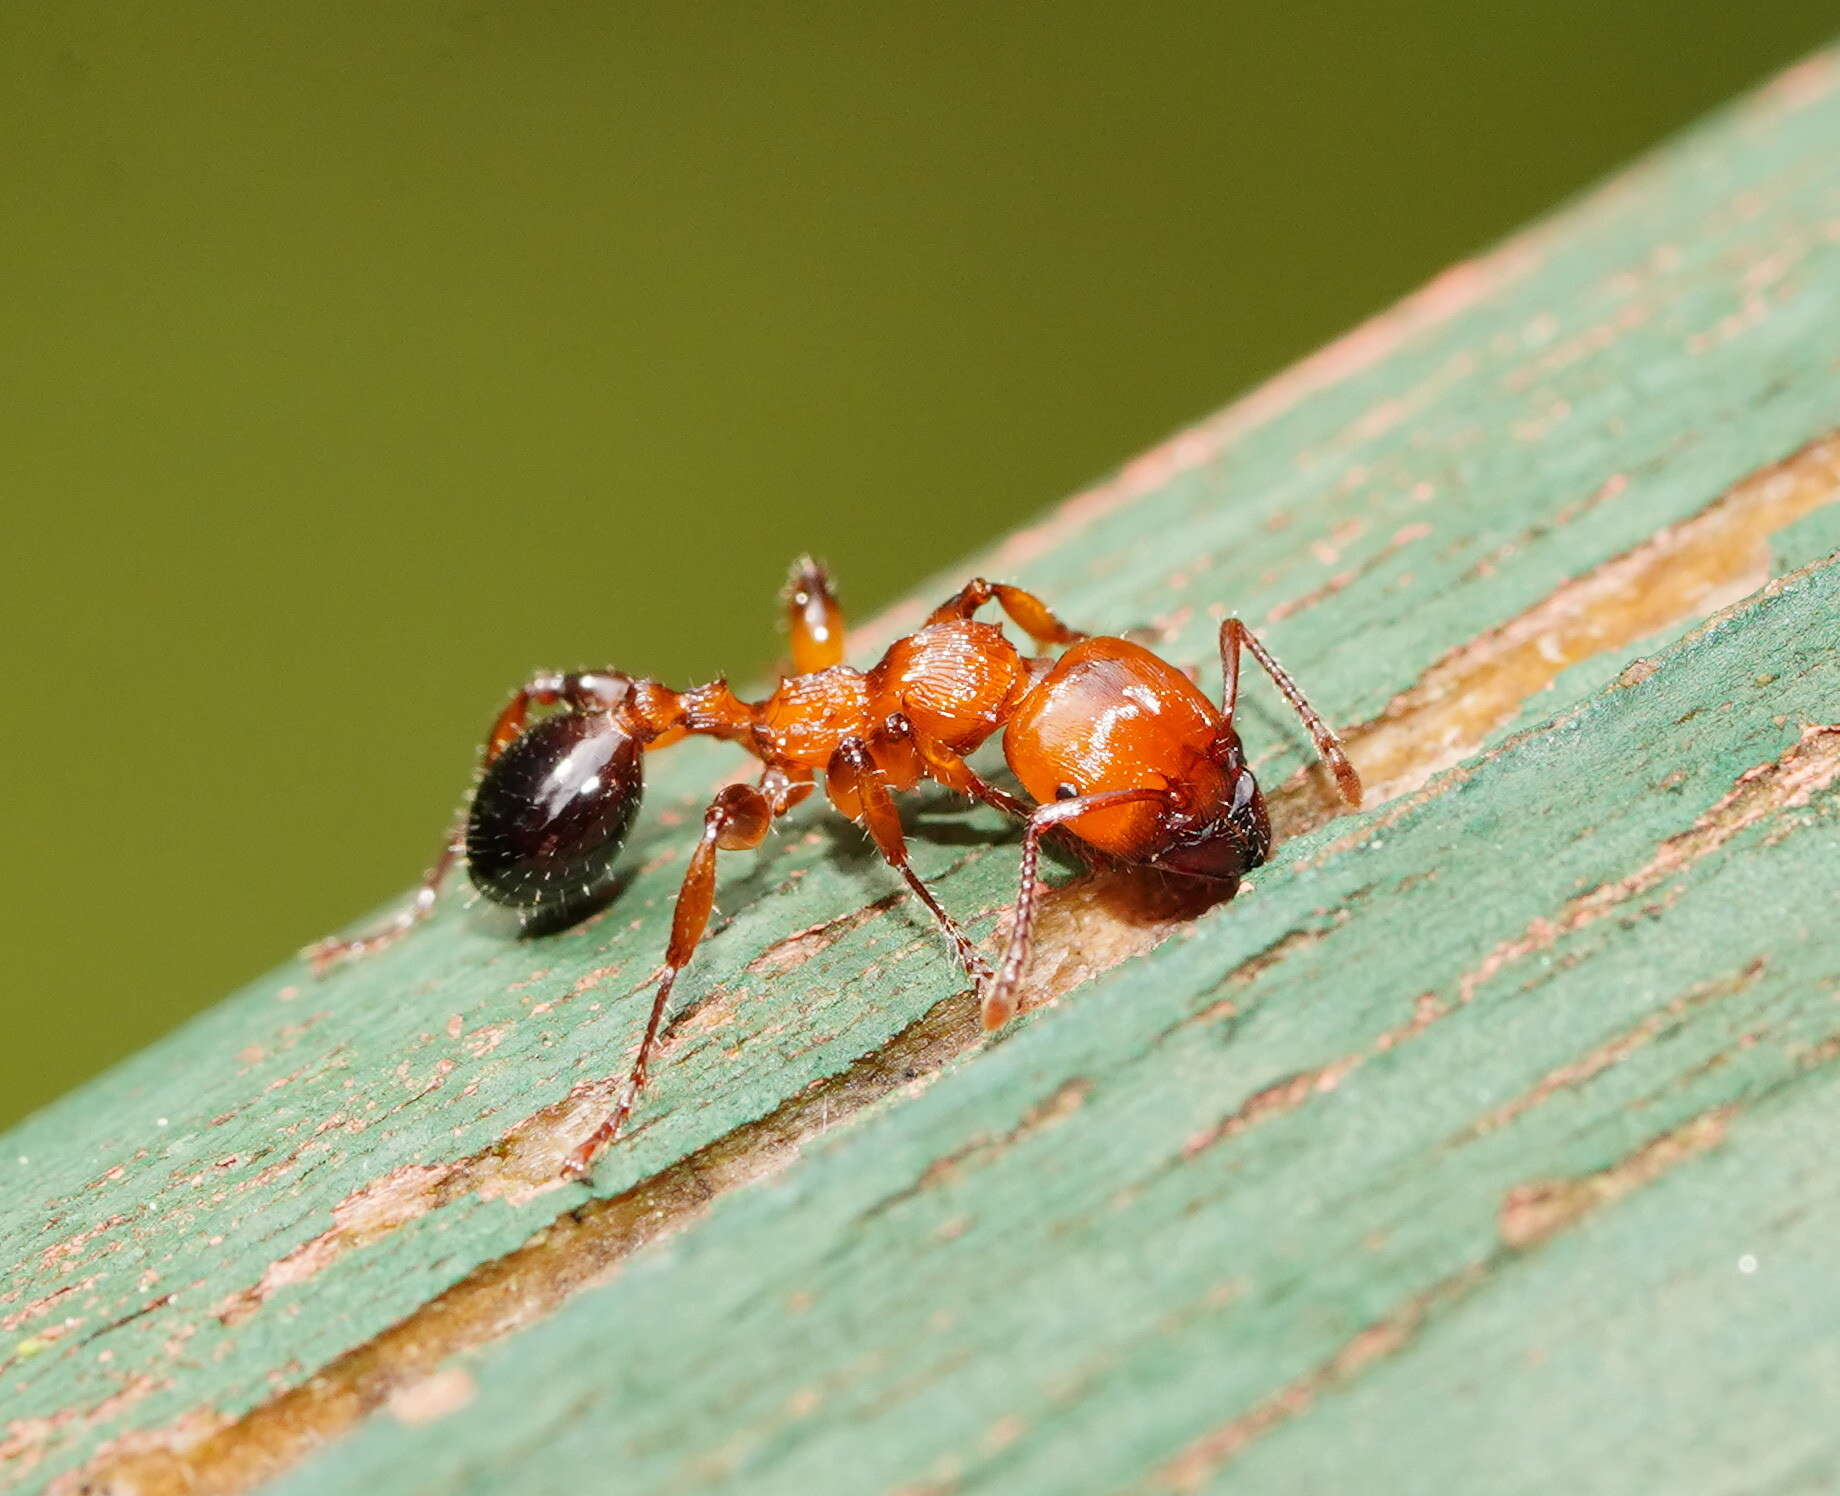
[(585, 690), (785, 788), (737, 819), (858, 788), (1234, 634)]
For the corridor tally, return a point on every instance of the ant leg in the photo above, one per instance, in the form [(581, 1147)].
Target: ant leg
[(857, 788), (737, 819), (999, 1002), (945, 767), (327, 953), (1233, 634), (586, 690), (582, 689), (815, 620), (785, 788), (1027, 611)]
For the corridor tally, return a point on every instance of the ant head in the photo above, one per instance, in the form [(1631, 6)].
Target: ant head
[(1225, 832), (551, 814)]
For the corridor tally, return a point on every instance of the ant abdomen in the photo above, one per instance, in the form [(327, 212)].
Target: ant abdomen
[(550, 816)]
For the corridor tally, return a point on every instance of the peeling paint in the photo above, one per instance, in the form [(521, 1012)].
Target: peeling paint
[(1534, 1213), (1688, 571)]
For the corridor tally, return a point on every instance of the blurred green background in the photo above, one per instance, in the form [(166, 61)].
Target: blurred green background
[(360, 357)]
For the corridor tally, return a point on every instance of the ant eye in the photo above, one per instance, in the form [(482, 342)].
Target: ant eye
[(1065, 791)]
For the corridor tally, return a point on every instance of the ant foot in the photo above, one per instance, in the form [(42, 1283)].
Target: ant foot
[(323, 955), (579, 1165), (996, 1003)]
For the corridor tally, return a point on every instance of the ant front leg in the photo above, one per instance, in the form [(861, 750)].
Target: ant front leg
[(1233, 634), (1027, 611), (858, 788), (582, 690), (814, 618), (999, 998), (737, 819)]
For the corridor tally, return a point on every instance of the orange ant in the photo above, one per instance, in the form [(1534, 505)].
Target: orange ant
[(1119, 750)]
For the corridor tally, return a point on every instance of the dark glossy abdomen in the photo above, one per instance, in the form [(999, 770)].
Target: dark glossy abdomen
[(550, 816)]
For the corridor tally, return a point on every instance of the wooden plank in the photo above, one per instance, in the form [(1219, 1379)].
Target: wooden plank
[(1466, 1171), (1446, 1145)]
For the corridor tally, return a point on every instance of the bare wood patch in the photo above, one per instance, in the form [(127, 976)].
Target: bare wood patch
[(1613, 1051), (1273, 1101), (1689, 570), (800, 946), (205, 1455), (1810, 764), (1536, 1211)]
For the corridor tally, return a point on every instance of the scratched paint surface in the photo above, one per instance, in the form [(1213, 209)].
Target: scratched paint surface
[(302, 1167)]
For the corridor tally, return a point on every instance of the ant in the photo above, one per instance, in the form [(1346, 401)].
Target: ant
[(1120, 751)]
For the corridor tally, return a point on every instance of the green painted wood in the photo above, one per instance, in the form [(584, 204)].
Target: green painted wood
[(1571, 1229), (1423, 1159)]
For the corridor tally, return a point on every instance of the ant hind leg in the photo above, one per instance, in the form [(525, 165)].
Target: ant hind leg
[(737, 819), (585, 690), (323, 955)]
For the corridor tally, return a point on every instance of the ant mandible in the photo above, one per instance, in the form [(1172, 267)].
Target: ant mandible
[(1120, 751)]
